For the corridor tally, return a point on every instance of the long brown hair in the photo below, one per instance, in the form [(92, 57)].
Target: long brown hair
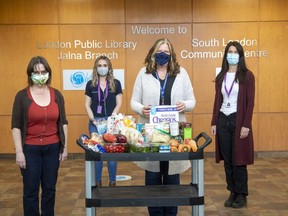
[(241, 67), (109, 77), (151, 65)]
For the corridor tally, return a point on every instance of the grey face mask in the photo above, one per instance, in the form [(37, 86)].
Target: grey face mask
[(102, 71)]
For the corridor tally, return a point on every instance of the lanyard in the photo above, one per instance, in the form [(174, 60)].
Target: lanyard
[(231, 87), (106, 92), (162, 87)]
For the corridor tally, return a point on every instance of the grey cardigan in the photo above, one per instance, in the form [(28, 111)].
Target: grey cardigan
[(146, 91)]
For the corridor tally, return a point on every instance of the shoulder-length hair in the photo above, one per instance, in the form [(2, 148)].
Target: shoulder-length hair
[(109, 77), (241, 67), (151, 66), (32, 65)]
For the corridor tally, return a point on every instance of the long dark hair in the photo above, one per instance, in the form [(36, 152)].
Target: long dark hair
[(151, 65), (31, 66), (241, 67)]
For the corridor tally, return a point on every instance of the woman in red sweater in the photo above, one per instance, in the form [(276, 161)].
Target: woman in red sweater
[(39, 130)]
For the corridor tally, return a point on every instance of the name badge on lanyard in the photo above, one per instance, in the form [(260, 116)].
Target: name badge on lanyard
[(162, 88), (230, 90), (99, 107)]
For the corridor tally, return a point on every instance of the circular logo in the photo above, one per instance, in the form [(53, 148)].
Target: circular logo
[(77, 79)]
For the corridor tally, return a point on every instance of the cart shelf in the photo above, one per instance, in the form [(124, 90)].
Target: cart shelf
[(153, 195)]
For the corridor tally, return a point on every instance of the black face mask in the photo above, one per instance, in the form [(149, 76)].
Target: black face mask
[(162, 58)]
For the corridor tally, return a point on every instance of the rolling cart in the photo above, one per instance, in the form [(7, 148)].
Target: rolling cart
[(152, 195)]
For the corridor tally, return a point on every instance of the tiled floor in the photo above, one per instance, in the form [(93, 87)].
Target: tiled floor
[(268, 186)]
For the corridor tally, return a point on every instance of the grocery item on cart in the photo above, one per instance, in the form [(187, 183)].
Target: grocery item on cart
[(91, 144)]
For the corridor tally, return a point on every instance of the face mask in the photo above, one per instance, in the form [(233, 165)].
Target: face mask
[(232, 58), (162, 58), (102, 71), (39, 79)]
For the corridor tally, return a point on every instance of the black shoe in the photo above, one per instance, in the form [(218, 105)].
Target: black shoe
[(240, 201), (230, 200)]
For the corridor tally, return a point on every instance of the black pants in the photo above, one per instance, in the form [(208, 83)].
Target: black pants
[(236, 176)]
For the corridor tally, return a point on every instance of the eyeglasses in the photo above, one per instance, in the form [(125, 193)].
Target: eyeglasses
[(40, 72)]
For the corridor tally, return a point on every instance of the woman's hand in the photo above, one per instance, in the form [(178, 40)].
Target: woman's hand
[(146, 111), (213, 130), (64, 155), (244, 132), (20, 160), (181, 106)]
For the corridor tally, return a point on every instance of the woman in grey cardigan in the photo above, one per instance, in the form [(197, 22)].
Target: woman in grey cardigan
[(162, 82)]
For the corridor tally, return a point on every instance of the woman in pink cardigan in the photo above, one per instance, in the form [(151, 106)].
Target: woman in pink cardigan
[(232, 122)]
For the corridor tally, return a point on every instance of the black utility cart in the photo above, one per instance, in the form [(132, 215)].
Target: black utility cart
[(161, 195)]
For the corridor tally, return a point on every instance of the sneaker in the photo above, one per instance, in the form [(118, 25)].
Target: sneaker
[(99, 184), (112, 184), (230, 200), (240, 201)]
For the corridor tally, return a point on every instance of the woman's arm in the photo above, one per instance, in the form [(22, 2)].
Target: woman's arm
[(118, 103), (20, 157), (88, 107), (64, 155)]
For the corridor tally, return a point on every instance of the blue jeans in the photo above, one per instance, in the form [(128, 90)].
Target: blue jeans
[(42, 165), (162, 178), (112, 165)]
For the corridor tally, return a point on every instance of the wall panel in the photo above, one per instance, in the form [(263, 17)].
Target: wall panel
[(273, 10), (225, 11), (91, 11), (77, 125), (6, 142), (160, 11), (28, 11), (273, 134), (273, 74)]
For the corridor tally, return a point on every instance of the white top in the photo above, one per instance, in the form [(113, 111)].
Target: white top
[(229, 104)]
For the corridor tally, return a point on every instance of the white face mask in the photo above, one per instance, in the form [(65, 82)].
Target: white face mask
[(232, 58), (39, 79), (102, 71)]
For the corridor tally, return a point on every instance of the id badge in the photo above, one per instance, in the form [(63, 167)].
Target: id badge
[(99, 109)]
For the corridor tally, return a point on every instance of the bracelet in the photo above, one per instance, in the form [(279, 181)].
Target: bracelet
[(92, 120)]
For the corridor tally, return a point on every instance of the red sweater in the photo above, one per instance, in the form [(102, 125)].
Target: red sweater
[(42, 122)]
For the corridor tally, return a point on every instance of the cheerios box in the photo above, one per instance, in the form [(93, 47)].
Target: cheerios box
[(163, 113)]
